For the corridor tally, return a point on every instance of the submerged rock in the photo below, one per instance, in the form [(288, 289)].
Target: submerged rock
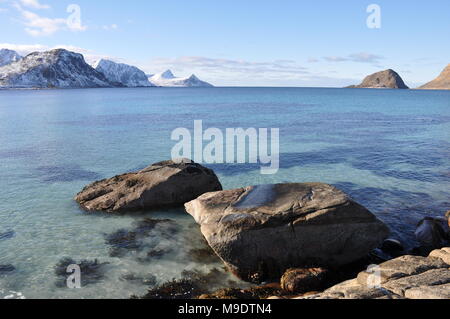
[(261, 231), (7, 235), (123, 241), (163, 184), (5, 269)]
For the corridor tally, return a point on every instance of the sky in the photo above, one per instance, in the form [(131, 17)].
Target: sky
[(242, 43)]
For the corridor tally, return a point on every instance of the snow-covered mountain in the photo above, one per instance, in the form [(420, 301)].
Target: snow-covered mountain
[(167, 79), (57, 68), (127, 75), (8, 56)]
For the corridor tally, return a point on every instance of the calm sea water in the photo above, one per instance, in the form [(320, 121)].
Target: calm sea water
[(389, 149)]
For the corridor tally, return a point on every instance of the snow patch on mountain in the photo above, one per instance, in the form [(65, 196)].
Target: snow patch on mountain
[(167, 79), (127, 75), (8, 57)]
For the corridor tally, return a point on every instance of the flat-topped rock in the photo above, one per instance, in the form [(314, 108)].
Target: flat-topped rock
[(163, 184), (260, 231)]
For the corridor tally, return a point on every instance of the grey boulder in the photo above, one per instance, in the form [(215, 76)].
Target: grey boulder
[(163, 184), (261, 231)]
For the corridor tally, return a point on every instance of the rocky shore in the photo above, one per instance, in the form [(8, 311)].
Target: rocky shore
[(296, 240), (406, 277)]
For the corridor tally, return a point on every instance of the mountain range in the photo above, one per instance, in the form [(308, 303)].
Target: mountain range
[(167, 79), (60, 68)]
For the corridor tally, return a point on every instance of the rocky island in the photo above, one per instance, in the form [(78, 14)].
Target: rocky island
[(388, 79)]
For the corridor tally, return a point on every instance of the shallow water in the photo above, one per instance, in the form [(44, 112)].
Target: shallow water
[(389, 149)]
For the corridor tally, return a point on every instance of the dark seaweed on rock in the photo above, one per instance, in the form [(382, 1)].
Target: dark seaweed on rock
[(190, 286)]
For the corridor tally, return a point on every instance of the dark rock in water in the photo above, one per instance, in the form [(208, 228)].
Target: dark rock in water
[(5, 269), (166, 226), (433, 232), (261, 231), (388, 79), (163, 184), (92, 271), (302, 280), (7, 235), (393, 247), (123, 241)]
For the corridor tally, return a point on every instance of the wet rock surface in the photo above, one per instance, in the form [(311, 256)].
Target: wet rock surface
[(261, 231), (163, 184)]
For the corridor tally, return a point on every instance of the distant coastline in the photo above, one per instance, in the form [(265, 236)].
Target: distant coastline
[(63, 69)]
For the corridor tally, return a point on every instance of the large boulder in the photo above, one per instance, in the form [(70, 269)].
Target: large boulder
[(261, 231), (163, 184)]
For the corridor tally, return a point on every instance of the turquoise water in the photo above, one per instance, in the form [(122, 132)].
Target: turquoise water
[(389, 149)]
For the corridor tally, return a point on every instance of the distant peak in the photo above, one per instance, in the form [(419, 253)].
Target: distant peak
[(167, 75)]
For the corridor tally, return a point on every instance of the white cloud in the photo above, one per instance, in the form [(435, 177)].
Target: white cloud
[(34, 4), (362, 57), (313, 60), (110, 27), (41, 26), (241, 67), (36, 25), (24, 49)]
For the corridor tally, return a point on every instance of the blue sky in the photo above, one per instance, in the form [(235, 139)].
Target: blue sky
[(255, 43)]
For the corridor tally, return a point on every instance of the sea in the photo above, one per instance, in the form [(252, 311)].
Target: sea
[(388, 149)]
